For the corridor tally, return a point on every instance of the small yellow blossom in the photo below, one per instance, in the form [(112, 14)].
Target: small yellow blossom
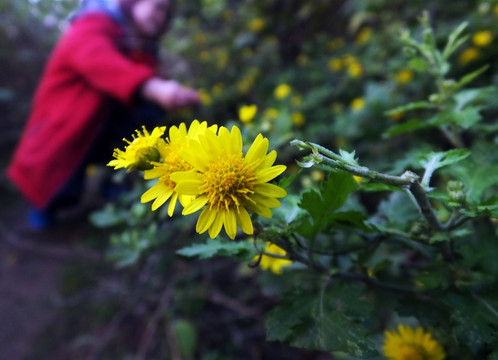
[(357, 104), (336, 107), (482, 38), (397, 116), (204, 56), (495, 9), (206, 99), (140, 151), (364, 35), (217, 89), (282, 91), (298, 119), (335, 44), (273, 264), (247, 113), (409, 343), (468, 55), (302, 59), (296, 100), (349, 59), (355, 70), (404, 76), (317, 175), (335, 64), (271, 113), (358, 179), (256, 25)]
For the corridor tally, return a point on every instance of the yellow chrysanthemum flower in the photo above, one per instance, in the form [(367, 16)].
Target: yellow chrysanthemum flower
[(357, 104), (355, 70), (271, 113), (273, 264), (227, 184), (364, 35), (206, 99), (335, 44), (282, 91), (247, 113), (335, 64), (482, 38), (140, 151), (169, 150), (407, 343), (256, 25), (298, 119), (468, 55), (404, 76)]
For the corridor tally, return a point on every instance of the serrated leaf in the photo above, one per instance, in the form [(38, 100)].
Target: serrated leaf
[(243, 250), (333, 194), (437, 160), (331, 321), (348, 157)]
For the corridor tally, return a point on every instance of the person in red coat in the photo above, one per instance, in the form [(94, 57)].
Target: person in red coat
[(102, 69)]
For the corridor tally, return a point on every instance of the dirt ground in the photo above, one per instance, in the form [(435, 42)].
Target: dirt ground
[(31, 264)]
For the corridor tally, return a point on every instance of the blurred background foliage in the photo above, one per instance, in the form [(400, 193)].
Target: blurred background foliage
[(322, 71)]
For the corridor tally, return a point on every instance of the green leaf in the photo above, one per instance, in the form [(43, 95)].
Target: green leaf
[(333, 194), (464, 80), (437, 160), (465, 118), (331, 321), (242, 250), (455, 40), (408, 126), (411, 106), (348, 157)]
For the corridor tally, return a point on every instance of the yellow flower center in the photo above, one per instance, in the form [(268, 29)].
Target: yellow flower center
[(227, 182), (172, 162), (410, 352)]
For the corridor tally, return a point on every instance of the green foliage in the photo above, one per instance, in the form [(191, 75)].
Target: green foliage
[(219, 247)]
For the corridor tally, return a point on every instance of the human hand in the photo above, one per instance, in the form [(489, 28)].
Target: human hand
[(170, 94)]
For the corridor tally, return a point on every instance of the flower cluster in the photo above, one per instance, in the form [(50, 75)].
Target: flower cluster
[(205, 168)]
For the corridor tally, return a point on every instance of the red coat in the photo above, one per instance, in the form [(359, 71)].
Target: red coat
[(85, 69)]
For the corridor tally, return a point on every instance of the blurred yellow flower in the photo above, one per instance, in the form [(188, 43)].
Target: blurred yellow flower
[(364, 35), (409, 343), (348, 59), (298, 119), (468, 55), (355, 70), (139, 152), (317, 175), (358, 179), (482, 38), (495, 9), (396, 116), (404, 76), (271, 113), (275, 265), (247, 113), (302, 59), (204, 56), (256, 25), (200, 38), (336, 107), (335, 64), (296, 100), (357, 104), (217, 89), (206, 99), (282, 91), (335, 44)]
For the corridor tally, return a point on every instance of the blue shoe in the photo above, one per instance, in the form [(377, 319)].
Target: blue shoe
[(40, 220)]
